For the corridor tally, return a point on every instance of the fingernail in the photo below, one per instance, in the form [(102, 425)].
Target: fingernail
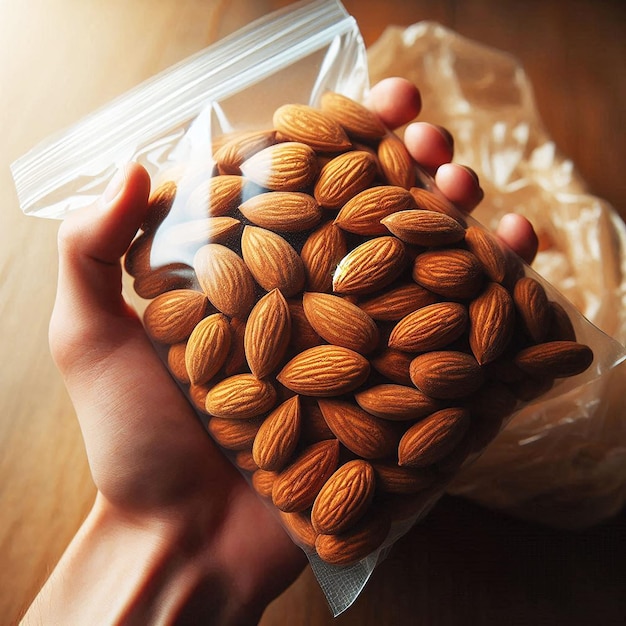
[(114, 188)]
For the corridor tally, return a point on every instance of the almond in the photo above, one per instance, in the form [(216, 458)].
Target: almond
[(150, 284), (424, 228), (451, 273), (137, 258), (232, 434), (430, 201), (561, 327), (297, 486), (370, 266), (176, 362), (300, 529), (171, 317), (392, 478), (267, 333), (492, 322), (159, 205), (232, 153), (343, 177), (396, 162), (324, 370), (287, 211), (197, 395), (340, 322), (187, 237), (278, 436), (432, 327), (446, 374), (225, 279), (555, 359), (236, 362), (320, 254), (433, 438), (300, 122), (395, 303), (362, 214), (367, 436), (313, 426), (354, 545), (396, 402), (531, 302), (356, 120), (244, 461), (394, 365), (488, 251), (344, 498), (263, 482), (214, 197), (287, 166), (240, 397), (303, 336), (272, 261), (207, 348)]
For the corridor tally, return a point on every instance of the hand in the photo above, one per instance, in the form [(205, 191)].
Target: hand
[(175, 530)]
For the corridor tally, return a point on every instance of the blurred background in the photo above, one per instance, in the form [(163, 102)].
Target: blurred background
[(464, 565)]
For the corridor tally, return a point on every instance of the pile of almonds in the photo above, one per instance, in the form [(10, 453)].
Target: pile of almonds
[(351, 339)]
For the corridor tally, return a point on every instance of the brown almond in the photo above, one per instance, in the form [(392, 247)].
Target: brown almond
[(320, 254), (313, 426), (424, 228), (492, 322), (340, 322), (297, 486), (171, 317), (362, 433), (242, 396), (300, 122), (396, 402), (324, 370), (430, 201), (370, 266), (396, 162), (245, 462), (344, 498), (272, 261), (176, 362), (533, 308), (233, 152), (303, 336), (263, 482), (393, 304), (137, 259), (446, 374), (356, 119), (267, 333), (433, 438), (159, 205), (300, 529), (207, 348), (555, 359), (391, 478), (488, 251), (236, 362), (362, 214), (394, 365), (278, 436), (343, 177), (561, 327), (432, 327), (232, 434), (286, 211), (214, 197), (451, 273), (150, 284), (225, 279)]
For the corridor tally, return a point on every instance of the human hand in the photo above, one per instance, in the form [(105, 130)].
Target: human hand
[(175, 530)]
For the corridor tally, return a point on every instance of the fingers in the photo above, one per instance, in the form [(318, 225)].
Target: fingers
[(431, 146), (395, 100), (518, 233), (460, 185)]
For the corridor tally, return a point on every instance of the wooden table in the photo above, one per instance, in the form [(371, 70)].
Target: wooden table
[(465, 565)]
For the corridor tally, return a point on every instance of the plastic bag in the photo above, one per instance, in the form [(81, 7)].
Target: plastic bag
[(561, 462), (274, 297)]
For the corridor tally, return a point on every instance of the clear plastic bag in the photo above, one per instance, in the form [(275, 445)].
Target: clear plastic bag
[(263, 345)]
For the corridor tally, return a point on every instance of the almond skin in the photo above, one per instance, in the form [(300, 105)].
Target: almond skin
[(263, 482), (344, 498), (286, 211), (392, 478), (176, 362), (362, 214), (340, 322), (159, 205), (358, 121), (149, 285), (214, 197), (300, 529), (324, 370), (225, 279), (397, 302), (172, 316), (492, 322), (297, 486), (367, 436), (234, 435), (272, 261), (300, 122), (240, 397), (533, 308), (396, 402), (555, 359), (394, 364), (370, 266), (432, 327), (488, 251), (396, 162), (446, 374), (233, 152), (267, 333), (320, 254), (303, 336), (433, 438), (344, 177), (278, 436), (424, 228), (207, 348), (429, 201), (287, 166), (451, 273)]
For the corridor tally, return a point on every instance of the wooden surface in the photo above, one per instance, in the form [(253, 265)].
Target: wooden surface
[(464, 565)]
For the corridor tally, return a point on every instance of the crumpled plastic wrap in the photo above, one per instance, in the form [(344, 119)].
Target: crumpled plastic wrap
[(561, 463)]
